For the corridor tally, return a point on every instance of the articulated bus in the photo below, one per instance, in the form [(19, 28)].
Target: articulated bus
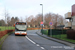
[(20, 28)]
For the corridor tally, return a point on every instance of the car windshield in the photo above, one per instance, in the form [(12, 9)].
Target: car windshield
[(21, 27)]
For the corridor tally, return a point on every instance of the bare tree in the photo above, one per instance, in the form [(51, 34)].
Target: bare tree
[(8, 21), (16, 19), (55, 21), (2, 22), (12, 21), (28, 20), (48, 17), (38, 19)]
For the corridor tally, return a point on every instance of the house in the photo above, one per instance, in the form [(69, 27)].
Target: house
[(71, 17), (68, 24)]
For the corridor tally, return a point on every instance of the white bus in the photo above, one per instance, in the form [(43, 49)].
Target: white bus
[(20, 28)]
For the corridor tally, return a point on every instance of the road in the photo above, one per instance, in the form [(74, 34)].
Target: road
[(32, 42)]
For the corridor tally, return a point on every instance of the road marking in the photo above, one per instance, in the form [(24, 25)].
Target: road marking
[(30, 40), (34, 43), (37, 45), (42, 47), (32, 34)]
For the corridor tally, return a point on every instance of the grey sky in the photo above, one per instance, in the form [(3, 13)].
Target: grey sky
[(22, 8)]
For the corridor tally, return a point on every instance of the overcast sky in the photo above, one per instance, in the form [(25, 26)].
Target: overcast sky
[(22, 8)]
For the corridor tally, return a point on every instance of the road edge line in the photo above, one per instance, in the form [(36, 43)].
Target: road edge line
[(54, 40)]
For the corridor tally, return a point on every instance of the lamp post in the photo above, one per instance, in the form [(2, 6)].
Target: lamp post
[(42, 14)]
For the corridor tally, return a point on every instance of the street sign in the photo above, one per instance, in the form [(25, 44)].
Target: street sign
[(50, 23), (41, 22)]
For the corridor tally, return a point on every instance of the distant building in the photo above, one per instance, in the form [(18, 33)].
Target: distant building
[(60, 26), (28, 25), (71, 17), (68, 16)]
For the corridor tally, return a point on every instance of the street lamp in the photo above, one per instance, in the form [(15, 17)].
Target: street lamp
[(42, 14)]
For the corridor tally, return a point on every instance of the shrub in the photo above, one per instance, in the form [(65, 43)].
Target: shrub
[(57, 31), (2, 33), (44, 31), (71, 34)]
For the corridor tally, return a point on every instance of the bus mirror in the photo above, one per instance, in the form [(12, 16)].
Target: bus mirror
[(14, 25)]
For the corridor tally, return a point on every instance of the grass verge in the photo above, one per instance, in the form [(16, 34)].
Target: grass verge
[(44, 32), (60, 36), (6, 28), (64, 37), (3, 38)]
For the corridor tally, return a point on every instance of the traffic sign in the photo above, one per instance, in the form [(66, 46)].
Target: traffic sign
[(50, 23), (41, 22)]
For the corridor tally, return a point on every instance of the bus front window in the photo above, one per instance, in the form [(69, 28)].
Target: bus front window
[(21, 27)]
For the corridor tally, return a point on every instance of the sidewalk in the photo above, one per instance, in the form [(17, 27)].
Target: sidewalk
[(57, 40)]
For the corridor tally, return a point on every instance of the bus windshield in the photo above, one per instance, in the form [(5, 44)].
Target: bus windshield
[(20, 27)]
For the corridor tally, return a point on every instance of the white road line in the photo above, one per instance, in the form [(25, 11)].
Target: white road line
[(42, 47), (32, 34), (30, 40), (34, 42), (37, 45)]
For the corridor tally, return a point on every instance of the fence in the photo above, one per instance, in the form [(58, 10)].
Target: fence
[(58, 33)]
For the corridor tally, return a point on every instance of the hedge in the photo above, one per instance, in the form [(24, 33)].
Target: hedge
[(54, 31)]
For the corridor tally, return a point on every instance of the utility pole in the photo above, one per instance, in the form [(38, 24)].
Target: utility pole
[(42, 14)]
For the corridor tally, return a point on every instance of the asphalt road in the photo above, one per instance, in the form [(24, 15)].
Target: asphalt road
[(32, 42)]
